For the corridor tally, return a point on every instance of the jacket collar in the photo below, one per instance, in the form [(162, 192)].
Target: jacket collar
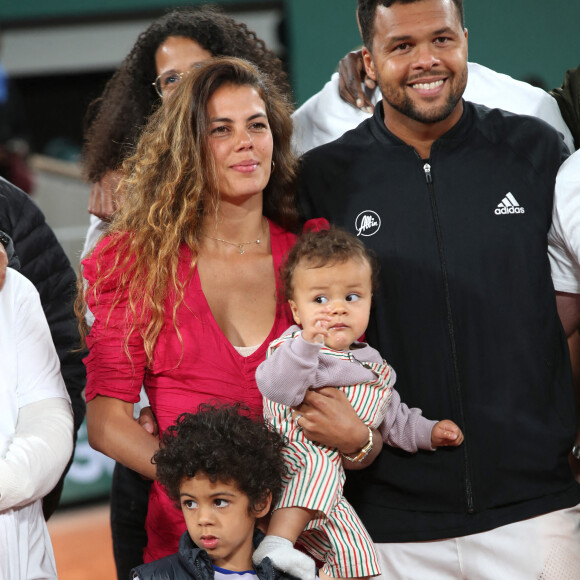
[(196, 560), (458, 132)]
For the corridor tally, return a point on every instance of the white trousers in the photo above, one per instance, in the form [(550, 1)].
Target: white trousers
[(542, 548)]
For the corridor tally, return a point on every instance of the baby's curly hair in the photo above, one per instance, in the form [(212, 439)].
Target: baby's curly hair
[(325, 248), (225, 443)]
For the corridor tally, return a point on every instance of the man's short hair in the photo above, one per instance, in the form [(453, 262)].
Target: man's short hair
[(367, 10)]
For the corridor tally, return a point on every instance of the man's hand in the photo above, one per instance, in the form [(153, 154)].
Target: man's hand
[(446, 434), (148, 422), (102, 202), (351, 73), (3, 264), (327, 417)]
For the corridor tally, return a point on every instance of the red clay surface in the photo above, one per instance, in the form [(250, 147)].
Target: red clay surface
[(81, 539)]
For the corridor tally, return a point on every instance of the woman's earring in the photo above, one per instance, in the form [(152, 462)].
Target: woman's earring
[(273, 167)]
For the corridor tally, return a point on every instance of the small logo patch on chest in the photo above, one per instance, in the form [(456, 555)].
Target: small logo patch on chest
[(367, 223), (509, 205)]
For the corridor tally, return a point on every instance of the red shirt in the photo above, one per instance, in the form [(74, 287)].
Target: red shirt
[(204, 367)]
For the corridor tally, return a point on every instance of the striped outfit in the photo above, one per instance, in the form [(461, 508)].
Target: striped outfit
[(315, 475)]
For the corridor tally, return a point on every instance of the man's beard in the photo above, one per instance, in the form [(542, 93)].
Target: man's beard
[(402, 102)]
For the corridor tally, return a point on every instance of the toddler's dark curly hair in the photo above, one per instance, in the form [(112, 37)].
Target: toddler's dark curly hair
[(225, 443), (326, 247)]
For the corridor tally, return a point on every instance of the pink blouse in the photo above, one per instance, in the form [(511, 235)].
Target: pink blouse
[(204, 367)]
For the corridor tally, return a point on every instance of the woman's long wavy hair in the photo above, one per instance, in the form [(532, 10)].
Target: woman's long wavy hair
[(115, 120), (170, 185)]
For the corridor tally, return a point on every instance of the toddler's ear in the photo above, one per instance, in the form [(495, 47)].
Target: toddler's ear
[(294, 309), (262, 506)]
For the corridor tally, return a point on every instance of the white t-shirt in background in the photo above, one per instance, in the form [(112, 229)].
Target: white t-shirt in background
[(564, 236)]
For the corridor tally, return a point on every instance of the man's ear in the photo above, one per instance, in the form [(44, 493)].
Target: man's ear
[(369, 64), (262, 506), (294, 309)]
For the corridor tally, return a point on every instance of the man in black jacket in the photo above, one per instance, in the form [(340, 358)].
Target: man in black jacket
[(456, 200), (39, 256)]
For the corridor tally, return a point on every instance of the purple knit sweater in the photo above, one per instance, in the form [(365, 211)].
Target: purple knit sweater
[(297, 365)]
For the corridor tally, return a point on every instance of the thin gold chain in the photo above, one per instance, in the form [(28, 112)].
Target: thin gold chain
[(239, 245)]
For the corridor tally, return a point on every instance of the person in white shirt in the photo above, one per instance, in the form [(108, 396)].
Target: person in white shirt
[(564, 236), (36, 431), (564, 253)]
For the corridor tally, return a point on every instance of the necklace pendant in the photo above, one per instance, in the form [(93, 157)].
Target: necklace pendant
[(242, 251)]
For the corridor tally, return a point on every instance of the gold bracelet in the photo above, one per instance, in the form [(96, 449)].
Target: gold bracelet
[(360, 456)]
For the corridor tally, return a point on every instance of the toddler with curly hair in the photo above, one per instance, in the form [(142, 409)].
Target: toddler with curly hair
[(224, 470)]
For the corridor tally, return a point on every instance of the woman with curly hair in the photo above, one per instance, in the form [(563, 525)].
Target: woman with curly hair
[(155, 64), (184, 287), (161, 55)]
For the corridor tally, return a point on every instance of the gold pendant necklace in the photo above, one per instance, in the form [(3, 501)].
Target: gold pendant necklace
[(240, 245)]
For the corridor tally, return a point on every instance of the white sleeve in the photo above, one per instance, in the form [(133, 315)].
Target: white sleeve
[(37, 428), (96, 229), (325, 117), (496, 90), (564, 235), (38, 367), (38, 453)]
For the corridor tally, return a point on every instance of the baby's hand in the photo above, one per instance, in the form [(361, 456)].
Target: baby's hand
[(446, 434), (316, 328)]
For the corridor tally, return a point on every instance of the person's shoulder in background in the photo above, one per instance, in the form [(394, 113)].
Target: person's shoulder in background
[(499, 91)]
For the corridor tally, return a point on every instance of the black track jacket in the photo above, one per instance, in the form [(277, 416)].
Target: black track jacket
[(193, 563), (465, 314)]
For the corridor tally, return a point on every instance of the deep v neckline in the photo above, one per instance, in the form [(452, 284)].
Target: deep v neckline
[(276, 258)]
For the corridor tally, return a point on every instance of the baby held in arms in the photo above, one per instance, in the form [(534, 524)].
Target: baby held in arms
[(329, 278)]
